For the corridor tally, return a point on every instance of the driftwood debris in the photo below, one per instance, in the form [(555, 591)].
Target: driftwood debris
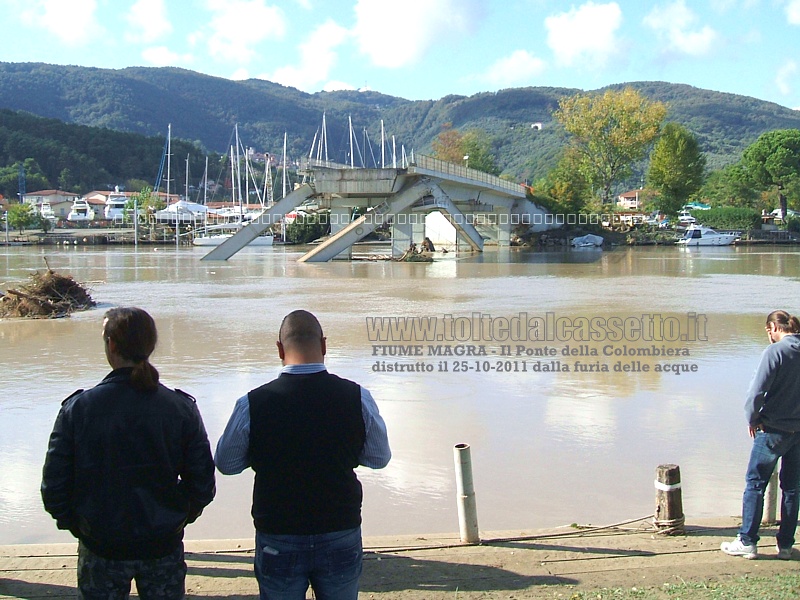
[(47, 295)]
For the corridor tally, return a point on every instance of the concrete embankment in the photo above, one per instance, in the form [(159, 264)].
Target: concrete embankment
[(517, 564)]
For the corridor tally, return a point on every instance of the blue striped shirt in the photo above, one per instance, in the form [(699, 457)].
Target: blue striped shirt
[(231, 456)]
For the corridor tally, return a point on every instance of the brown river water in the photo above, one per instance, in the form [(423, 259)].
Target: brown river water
[(555, 438)]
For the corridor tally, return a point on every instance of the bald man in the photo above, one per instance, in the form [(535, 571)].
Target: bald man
[(303, 434)]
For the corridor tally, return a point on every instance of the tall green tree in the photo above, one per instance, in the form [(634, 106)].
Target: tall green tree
[(729, 187), (477, 146), (610, 132), (773, 160), (677, 168), (567, 184)]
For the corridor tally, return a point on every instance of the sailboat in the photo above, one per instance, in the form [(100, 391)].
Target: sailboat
[(240, 217)]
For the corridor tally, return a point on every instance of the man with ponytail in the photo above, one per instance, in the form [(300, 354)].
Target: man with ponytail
[(127, 468), (772, 409)]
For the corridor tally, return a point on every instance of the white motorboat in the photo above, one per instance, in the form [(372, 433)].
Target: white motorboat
[(700, 235), (115, 206), (47, 212), (81, 211)]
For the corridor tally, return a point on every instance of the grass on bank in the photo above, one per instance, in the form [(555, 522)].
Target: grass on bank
[(776, 587)]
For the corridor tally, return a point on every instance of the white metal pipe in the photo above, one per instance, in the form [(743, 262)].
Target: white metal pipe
[(467, 509)]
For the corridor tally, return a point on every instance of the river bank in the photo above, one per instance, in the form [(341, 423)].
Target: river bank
[(629, 561)]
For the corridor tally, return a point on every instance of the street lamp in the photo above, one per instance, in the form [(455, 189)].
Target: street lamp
[(466, 161)]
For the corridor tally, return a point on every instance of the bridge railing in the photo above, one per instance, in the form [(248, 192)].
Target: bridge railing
[(434, 164), (428, 163)]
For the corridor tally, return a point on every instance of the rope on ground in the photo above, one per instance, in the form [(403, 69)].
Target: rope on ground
[(540, 536)]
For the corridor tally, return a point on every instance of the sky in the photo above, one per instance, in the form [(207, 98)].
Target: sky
[(426, 49)]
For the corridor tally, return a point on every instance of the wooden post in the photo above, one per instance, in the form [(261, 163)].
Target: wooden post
[(467, 510), (668, 517), (770, 516)]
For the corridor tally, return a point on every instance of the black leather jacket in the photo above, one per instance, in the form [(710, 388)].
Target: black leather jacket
[(127, 470)]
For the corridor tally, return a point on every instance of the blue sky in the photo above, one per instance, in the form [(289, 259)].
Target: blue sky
[(426, 49)]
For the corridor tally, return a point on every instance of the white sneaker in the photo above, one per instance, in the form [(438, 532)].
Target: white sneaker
[(737, 548), (784, 553)]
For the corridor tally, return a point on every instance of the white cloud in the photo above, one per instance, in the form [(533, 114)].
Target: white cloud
[(725, 6), (793, 12), (240, 74), (72, 22), (317, 58), (586, 34), (517, 68), (394, 37), (161, 56), (239, 25), (785, 77), (147, 21), (675, 26)]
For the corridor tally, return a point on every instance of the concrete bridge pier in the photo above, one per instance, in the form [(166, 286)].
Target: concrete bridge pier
[(407, 226), (340, 218)]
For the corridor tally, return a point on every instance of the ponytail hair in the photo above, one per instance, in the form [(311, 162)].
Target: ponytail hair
[(134, 333), (784, 321)]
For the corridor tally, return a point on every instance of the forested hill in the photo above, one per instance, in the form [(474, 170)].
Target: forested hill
[(204, 109)]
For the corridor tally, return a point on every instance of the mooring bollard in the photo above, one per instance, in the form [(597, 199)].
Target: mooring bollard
[(467, 510), (669, 503), (770, 516)]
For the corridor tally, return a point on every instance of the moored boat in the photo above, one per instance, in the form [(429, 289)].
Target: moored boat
[(80, 211), (700, 235), (115, 206)]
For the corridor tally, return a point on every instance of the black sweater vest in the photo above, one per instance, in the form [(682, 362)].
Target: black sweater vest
[(306, 434)]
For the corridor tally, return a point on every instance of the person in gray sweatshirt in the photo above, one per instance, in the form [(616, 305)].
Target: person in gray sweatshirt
[(772, 409)]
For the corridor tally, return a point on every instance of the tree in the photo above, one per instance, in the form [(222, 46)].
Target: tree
[(447, 145), (453, 146), (677, 168), (65, 179), (477, 146), (307, 228), (145, 202), (773, 160), (610, 132), (729, 187), (567, 185), (20, 216)]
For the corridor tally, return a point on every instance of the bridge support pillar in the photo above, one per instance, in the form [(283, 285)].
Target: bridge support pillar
[(503, 227), (340, 218), (407, 227)]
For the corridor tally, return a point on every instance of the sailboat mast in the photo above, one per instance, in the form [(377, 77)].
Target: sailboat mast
[(383, 143), (169, 156), (239, 176), (350, 122), (284, 180), (325, 136)]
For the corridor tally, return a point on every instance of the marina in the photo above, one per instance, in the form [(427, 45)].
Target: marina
[(549, 447)]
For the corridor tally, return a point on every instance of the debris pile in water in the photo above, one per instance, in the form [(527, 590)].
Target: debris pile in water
[(46, 296)]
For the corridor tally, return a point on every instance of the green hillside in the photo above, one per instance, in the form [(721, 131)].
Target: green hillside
[(204, 109)]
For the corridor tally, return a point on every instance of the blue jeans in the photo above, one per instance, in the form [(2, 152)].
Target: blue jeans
[(330, 562), (768, 447)]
